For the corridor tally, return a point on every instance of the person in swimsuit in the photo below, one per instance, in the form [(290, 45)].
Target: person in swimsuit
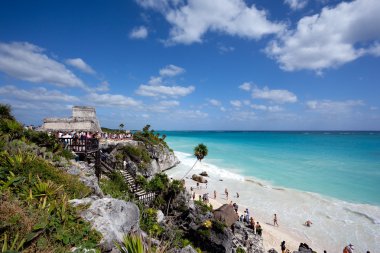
[(275, 220)]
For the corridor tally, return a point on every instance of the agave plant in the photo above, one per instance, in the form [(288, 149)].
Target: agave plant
[(133, 243)]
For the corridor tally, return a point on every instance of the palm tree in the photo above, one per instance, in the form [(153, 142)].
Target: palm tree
[(200, 152), (121, 126)]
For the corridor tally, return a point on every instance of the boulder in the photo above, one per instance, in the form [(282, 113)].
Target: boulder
[(199, 179), (272, 251), (113, 218), (188, 249), (160, 216), (226, 214), (204, 173)]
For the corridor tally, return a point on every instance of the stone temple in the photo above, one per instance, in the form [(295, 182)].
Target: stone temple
[(83, 119)]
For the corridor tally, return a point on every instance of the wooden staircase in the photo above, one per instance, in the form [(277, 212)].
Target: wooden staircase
[(140, 193), (137, 190)]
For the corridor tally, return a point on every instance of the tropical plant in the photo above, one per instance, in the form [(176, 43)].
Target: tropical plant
[(121, 126), (200, 152), (131, 244), (5, 112)]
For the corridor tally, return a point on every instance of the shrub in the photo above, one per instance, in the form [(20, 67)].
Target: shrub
[(203, 207)]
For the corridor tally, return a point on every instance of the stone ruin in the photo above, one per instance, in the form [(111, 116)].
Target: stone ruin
[(83, 119)]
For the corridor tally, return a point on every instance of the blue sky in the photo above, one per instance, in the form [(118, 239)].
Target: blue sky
[(195, 64)]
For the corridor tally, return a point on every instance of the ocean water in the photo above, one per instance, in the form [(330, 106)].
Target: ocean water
[(332, 178)]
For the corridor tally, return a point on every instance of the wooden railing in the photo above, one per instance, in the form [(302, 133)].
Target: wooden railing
[(86, 145)]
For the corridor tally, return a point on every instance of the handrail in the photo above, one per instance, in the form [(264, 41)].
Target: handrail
[(80, 145)]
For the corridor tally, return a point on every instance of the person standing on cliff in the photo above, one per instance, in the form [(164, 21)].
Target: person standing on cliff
[(275, 220)]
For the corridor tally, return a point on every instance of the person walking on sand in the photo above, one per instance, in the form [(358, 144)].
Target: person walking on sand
[(214, 194), (275, 220), (283, 248), (226, 192), (193, 196), (237, 195)]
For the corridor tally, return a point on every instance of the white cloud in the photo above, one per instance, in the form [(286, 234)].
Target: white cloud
[(140, 32), (171, 70), (333, 107), (241, 116), (27, 62), (81, 65), (275, 96), (235, 103), (155, 80), (296, 4), (163, 91), (335, 36), (191, 20), (223, 109), (246, 86), (169, 103), (225, 49), (214, 102), (38, 94), (193, 114), (104, 86), (274, 108), (112, 100)]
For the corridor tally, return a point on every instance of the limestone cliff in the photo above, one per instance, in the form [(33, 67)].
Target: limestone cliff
[(143, 158)]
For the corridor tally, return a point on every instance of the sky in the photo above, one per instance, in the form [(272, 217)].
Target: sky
[(194, 64)]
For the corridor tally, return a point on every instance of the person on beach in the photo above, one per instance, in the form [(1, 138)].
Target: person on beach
[(191, 189), (349, 248), (247, 215), (241, 218), (235, 207), (214, 194), (283, 248), (197, 185), (226, 192), (275, 220), (193, 196), (259, 230), (237, 195), (308, 223), (252, 223)]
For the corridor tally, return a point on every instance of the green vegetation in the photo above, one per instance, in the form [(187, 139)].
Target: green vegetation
[(200, 151), (240, 250), (203, 207), (149, 137), (148, 222), (34, 212), (138, 155), (116, 186)]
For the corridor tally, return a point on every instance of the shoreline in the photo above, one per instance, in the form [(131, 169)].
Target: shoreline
[(336, 223)]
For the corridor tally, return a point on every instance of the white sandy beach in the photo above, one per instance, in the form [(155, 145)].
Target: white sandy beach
[(335, 223)]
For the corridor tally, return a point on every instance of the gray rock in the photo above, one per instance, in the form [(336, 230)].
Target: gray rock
[(188, 249), (198, 178), (160, 216), (204, 173), (113, 218), (84, 201), (272, 251)]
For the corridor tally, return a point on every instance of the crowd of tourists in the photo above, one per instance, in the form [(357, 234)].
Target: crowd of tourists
[(114, 136)]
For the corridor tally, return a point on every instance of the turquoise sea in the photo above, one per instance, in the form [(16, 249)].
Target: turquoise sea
[(342, 165)]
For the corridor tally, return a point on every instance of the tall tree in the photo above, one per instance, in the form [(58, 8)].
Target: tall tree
[(121, 126), (200, 152)]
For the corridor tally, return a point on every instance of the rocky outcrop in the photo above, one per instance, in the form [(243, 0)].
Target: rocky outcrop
[(247, 240), (198, 178), (85, 172), (161, 157), (113, 218), (226, 214), (204, 173)]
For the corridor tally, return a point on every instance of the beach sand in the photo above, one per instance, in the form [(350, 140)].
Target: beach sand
[(272, 236)]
